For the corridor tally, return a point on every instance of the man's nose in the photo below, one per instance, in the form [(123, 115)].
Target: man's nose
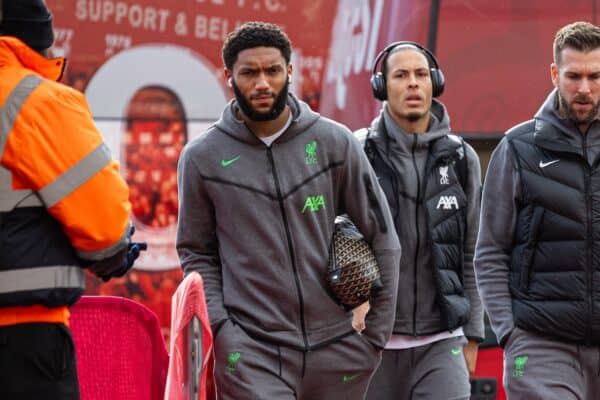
[(262, 82), (584, 86), (412, 80)]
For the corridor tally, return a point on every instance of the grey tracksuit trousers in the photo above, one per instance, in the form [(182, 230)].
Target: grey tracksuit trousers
[(435, 371), (251, 369), (542, 368)]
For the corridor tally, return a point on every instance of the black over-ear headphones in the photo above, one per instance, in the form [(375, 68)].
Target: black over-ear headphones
[(378, 79)]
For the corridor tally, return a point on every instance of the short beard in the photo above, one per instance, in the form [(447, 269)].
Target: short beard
[(568, 111), (414, 117), (273, 113)]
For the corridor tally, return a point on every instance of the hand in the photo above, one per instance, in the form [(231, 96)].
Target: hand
[(358, 316), (470, 352), (133, 252)]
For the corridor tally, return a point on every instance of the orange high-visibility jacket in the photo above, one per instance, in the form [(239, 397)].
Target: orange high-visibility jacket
[(62, 199)]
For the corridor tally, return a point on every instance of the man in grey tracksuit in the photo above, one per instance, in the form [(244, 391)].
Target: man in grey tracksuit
[(259, 192), (537, 256), (431, 179)]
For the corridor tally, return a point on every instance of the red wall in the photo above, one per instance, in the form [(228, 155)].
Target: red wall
[(495, 56)]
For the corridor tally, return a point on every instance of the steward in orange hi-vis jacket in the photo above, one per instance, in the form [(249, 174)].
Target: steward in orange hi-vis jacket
[(63, 207)]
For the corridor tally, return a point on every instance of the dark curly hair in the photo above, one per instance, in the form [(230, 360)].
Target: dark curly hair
[(255, 34)]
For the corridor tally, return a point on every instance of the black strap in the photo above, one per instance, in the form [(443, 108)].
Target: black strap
[(461, 167), (368, 147)]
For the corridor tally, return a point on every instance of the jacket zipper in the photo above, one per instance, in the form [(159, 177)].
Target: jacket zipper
[(290, 248), (417, 204), (589, 241)]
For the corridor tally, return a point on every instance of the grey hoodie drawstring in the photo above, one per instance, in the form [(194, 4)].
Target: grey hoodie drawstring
[(280, 362), (581, 361)]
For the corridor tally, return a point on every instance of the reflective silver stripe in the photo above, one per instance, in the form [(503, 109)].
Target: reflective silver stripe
[(109, 251), (12, 106), (32, 200), (9, 199), (75, 176), (52, 277)]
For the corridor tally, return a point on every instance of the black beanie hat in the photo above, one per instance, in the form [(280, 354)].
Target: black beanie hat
[(28, 20)]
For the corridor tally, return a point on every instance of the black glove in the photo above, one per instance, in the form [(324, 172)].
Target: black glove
[(133, 252)]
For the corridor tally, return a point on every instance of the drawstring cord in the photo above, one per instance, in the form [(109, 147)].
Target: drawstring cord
[(581, 360), (280, 362)]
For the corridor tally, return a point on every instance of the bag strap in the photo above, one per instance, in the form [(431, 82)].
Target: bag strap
[(461, 166)]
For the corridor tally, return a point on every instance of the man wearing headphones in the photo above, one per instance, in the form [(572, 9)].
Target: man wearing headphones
[(432, 182)]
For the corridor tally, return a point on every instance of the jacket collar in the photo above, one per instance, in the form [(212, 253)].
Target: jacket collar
[(548, 137), (15, 53), (437, 141)]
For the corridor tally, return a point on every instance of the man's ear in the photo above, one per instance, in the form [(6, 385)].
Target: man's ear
[(554, 74), (228, 76)]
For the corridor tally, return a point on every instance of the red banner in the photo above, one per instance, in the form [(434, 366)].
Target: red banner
[(362, 28), (495, 56), (152, 73)]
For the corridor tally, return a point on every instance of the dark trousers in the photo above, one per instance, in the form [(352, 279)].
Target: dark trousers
[(37, 361)]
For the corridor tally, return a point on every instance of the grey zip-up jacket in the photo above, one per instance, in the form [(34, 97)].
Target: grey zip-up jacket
[(501, 193), (417, 312), (257, 222)]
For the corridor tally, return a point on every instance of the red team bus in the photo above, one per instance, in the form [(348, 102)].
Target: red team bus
[(151, 71)]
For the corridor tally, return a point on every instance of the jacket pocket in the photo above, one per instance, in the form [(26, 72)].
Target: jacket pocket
[(531, 248), (372, 348), (67, 356), (218, 327)]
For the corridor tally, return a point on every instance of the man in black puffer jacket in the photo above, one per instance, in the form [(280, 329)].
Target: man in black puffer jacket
[(538, 252), (431, 179)]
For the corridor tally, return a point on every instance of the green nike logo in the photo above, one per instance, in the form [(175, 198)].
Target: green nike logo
[(227, 163), (348, 378), (455, 351)]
